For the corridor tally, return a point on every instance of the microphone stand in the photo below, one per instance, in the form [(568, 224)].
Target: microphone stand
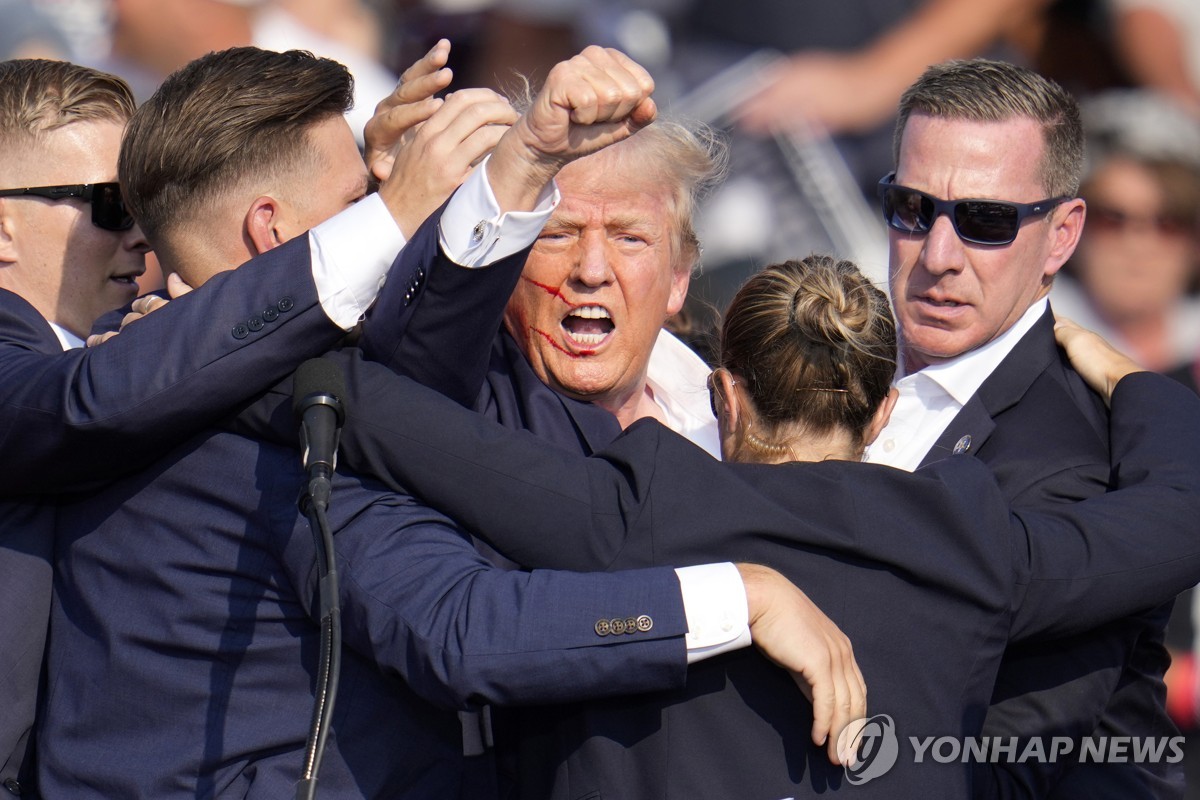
[(317, 391), (313, 503)]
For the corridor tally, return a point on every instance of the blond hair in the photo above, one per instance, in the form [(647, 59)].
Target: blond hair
[(42, 95)]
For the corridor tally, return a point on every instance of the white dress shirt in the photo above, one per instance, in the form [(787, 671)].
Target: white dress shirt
[(474, 233), (932, 397)]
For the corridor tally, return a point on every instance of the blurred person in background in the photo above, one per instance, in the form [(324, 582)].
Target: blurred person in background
[(27, 32), (1133, 276), (152, 38), (1158, 42), (798, 70)]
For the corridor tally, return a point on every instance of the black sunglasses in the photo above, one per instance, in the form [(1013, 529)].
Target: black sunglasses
[(993, 222), (108, 209)]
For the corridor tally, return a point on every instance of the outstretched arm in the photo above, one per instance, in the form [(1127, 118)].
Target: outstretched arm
[(595, 99)]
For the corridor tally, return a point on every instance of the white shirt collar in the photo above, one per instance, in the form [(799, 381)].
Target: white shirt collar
[(678, 379), (68, 340), (961, 377)]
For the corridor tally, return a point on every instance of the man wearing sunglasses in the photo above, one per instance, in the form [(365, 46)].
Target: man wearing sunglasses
[(982, 212), (72, 417), (214, 629)]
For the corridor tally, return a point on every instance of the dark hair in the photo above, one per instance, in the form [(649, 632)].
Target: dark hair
[(815, 343), (41, 95), (981, 90), (225, 116)]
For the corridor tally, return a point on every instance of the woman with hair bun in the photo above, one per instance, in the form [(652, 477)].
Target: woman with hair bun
[(928, 573), (807, 355)]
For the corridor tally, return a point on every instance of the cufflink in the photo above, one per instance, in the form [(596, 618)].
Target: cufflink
[(478, 231)]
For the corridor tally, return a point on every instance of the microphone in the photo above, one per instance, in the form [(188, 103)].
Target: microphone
[(317, 392)]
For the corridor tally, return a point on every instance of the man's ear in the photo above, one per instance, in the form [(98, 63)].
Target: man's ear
[(882, 414), (1066, 224), (263, 225), (8, 239), (680, 280)]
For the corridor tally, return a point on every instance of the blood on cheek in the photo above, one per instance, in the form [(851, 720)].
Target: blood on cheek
[(550, 290)]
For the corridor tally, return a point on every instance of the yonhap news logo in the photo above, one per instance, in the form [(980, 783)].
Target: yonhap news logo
[(877, 748)]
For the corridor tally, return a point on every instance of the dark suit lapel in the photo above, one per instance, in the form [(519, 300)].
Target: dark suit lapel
[(544, 411), (23, 325), (1004, 388)]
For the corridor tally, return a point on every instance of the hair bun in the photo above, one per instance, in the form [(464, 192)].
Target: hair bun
[(830, 305)]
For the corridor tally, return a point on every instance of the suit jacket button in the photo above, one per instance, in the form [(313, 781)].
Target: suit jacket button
[(962, 445), (13, 785), (270, 314), (603, 628), (255, 323), (240, 331), (644, 623), (286, 304), (618, 626), (630, 625)]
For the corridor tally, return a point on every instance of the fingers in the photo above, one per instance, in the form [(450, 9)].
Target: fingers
[(143, 306), (850, 739), (466, 111), (100, 338), (1100, 364), (839, 695), (590, 101), (176, 287), (598, 85), (431, 161), (426, 77), (410, 104), (791, 631)]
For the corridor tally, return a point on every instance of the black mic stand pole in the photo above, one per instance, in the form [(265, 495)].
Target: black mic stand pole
[(314, 501)]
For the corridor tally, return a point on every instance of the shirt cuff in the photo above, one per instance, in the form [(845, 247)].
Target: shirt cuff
[(351, 254), (714, 601), (474, 233)]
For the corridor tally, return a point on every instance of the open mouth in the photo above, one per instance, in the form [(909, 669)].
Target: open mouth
[(588, 326)]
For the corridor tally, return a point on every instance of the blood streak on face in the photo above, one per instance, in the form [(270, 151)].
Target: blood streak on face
[(600, 281)]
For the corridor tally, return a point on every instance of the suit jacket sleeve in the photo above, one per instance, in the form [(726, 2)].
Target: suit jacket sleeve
[(423, 604), (438, 327), (547, 507), (78, 418), (1132, 548)]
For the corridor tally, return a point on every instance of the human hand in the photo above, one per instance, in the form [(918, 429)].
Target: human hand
[(1100, 364), (791, 631), (410, 103), (434, 158), (819, 92), (593, 100), (142, 306)]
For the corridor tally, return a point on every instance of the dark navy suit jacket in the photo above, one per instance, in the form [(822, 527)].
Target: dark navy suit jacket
[(1034, 422), (73, 419), (183, 665), (185, 640), (1045, 437), (926, 572)]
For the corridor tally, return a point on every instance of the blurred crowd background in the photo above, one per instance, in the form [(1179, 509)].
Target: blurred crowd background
[(806, 91)]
